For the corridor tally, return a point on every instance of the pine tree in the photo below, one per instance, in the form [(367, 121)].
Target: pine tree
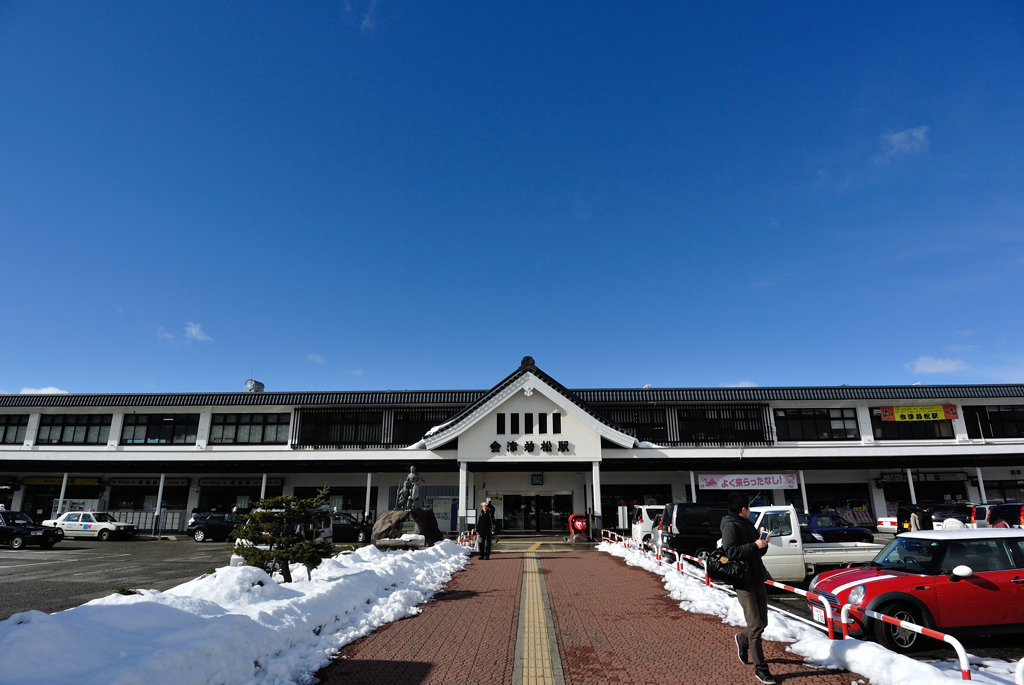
[(283, 530)]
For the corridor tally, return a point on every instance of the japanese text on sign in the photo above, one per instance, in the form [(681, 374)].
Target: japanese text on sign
[(933, 413), (747, 481)]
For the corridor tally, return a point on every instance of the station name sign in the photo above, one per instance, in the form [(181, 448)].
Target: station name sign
[(245, 482), (933, 413), (747, 481)]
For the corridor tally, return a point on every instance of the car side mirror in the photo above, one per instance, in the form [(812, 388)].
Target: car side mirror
[(960, 572)]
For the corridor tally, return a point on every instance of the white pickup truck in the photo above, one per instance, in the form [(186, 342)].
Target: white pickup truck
[(789, 559)]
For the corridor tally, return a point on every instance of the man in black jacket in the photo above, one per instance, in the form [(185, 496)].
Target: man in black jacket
[(485, 529), (741, 541)]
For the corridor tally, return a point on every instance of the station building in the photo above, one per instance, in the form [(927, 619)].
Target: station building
[(537, 450)]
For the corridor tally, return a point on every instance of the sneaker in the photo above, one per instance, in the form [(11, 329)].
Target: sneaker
[(764, 675), (741, 651)]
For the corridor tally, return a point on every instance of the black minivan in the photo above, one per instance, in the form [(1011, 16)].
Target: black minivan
[(692, 528), (1009, 515)]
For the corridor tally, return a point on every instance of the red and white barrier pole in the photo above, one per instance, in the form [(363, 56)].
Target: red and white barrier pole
[(810, 595), (965, 665), (1018, 676)]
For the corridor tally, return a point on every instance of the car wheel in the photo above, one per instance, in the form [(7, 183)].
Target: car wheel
[(17, 542), (199, 535), (647, 538), (1000, 524), (103, 535), (47, 545), (895, 638), (702, 553), (868, 538), (362, 536)]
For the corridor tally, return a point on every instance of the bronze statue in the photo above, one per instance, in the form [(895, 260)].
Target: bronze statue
[(409, 492)]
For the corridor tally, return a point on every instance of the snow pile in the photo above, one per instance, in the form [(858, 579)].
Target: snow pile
[(234, 626), (880, 665)]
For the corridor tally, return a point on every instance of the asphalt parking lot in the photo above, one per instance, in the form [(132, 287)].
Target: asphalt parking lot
[(78, 570)]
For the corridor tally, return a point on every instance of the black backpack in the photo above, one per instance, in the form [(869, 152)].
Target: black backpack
[(725, 570)]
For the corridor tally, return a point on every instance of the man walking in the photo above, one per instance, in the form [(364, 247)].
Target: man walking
[(741, 541), (485, 529)]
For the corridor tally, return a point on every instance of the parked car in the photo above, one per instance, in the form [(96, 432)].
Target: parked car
[(887, 524), (692, 528), (91, 524), (18, 530), (834, 528), (790, 558), (945, 515), (212, 525), (1006, 515), (643, 520), (346, 528), (961, 582)]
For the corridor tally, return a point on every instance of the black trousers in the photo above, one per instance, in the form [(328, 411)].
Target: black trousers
[(755, 611), (485, 546)]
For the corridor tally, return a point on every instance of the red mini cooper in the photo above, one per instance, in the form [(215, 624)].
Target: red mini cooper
[(960, 582)]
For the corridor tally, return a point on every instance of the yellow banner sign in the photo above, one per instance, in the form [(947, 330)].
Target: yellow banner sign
[(934, 413)]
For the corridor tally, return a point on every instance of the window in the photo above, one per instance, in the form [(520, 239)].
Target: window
[(777, 524), (825, 522), (72, 518), (542, 423), (724, 424), (160, 429), (909, 430), (816, 424), (995, 421), (556, 423), (266, 429), (528, 423), (87, 518), (335, 428), (409, 427), (980, 555), (501, 424), (515, 424), (641, 422), (73, 429), (13, 428)]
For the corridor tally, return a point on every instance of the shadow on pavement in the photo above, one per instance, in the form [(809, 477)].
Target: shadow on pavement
[(373, 672)]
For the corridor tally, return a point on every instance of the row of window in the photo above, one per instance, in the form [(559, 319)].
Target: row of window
[(698, 424), (542, 423)]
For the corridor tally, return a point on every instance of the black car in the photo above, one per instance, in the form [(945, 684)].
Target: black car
[(18, 530), (692, 528), (212, 525), (964, 512), (345, 528), (1006, 515)]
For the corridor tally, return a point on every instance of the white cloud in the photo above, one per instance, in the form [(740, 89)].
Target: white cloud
[(315, 358), (913, 141), (741, 384), (48, 390), (194, 331), (933, 365), (357, 372), (369, 24), (163, 334)]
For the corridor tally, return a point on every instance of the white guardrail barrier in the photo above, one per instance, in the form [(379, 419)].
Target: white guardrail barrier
[(844, 619)]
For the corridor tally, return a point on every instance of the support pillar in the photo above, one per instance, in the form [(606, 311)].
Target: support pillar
[(981, 486), (462, 496), (803, 493), (369, 489), (263, 487), (910, 482), (159, 507), (597, 497), (60, 502), (693, 487)]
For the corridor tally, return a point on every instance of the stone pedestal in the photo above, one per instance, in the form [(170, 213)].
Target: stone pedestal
[(396, 523)]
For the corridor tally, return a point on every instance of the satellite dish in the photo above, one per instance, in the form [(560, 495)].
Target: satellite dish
[(253, 386)]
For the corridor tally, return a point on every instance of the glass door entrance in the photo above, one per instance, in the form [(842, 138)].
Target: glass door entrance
[(527, 513)]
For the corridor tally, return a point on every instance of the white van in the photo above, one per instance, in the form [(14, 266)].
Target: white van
[(643, 520)]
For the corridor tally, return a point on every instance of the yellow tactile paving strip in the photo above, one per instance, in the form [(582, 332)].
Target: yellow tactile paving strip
[(537, 648)]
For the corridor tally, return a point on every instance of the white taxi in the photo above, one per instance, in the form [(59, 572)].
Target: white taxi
[(91, 524)]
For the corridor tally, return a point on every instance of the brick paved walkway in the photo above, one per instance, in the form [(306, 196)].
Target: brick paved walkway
[(466, 635), (614, 624)]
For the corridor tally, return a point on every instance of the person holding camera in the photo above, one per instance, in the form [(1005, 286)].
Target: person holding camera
[(742, 542)]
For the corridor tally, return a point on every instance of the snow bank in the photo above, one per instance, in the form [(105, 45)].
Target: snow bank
[(880, 665), (237, 625)]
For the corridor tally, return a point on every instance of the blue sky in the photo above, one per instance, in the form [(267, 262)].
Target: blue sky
[(384, 195)]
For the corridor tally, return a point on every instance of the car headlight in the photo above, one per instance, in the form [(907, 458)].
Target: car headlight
[(856, 594), (814, 581), (35, 532)]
